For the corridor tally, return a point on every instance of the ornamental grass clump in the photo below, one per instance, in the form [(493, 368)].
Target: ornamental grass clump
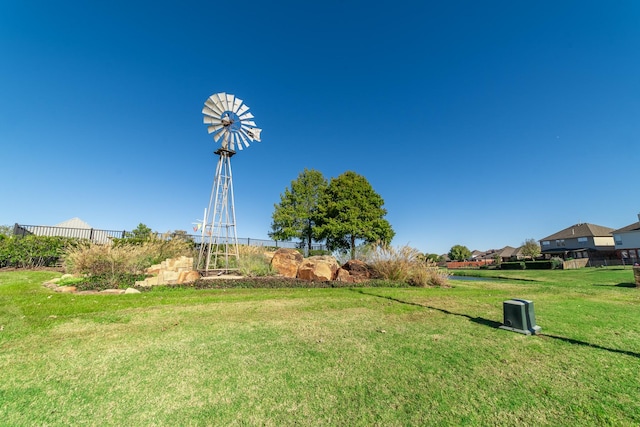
[(254, 262), (405, 264)]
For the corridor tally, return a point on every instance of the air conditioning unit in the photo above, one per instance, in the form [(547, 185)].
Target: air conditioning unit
[(519, 317)]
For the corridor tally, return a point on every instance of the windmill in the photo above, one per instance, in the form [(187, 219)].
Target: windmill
[(231, 124)]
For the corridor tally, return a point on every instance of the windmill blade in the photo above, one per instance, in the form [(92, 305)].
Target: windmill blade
[(214, 128), (218, 100), (246, 116), (211, 120), (230, 100), (248, 123), (236, 137), (254, 134), (244, 137), (218, 133), (242, 110), (236, 105), (209, 112), (210, 105)]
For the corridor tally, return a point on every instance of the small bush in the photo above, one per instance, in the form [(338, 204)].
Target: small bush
[(254, 265), (557, 263), (405, 265), (108, 281)]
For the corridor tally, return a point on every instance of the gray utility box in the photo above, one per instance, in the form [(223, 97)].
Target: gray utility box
[(519, 317)]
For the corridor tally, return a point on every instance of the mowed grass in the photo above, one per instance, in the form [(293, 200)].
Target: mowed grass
[(356, 357)]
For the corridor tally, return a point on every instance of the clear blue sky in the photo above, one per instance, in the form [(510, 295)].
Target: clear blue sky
[(481, 123)]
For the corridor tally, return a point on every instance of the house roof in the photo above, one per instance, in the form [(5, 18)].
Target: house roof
[(581, 230), (74, 223), (508, 251), (631, 227), (74, 227)]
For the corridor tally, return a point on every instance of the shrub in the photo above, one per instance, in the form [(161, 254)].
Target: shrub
[(517, 265), (33, 251), (315, 252), (253, 261), (557, 263), (538, 265), (404, 264)]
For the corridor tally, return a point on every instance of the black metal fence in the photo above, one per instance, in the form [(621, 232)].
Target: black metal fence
[(107, 236)]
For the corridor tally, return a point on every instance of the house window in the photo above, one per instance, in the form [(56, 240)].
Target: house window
[(582, 239), (546, 243), (560, 242), (618, 239)]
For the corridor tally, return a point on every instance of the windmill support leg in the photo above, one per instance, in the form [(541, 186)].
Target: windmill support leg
[(220, 248)]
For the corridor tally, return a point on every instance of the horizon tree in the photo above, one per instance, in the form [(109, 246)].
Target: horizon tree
[(293, 217), (531, 248), (350, 211), (459, 253)]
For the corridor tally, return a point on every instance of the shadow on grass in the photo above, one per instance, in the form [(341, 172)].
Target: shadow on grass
[(479, 320), (619, 285), (588, 344), (494, 324)]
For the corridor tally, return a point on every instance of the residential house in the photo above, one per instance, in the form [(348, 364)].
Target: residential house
[(584, 240), (509, 253), (627, 242)]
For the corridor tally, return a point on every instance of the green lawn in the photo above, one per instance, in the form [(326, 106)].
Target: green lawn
[(352, 357)]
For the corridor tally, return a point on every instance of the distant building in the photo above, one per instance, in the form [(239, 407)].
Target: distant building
[(580, 241), (627, 242)]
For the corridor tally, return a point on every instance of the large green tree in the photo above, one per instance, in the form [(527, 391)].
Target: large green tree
[(459, 253), (349, 211), (293, 217)]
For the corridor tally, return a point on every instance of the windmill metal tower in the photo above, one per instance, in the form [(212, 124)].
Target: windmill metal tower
[(231, 124)]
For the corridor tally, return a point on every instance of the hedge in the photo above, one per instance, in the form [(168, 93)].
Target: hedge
[(33, 251), (527, 265)]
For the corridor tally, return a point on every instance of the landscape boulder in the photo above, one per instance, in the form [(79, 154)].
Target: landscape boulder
[(318, 268), (286, 262), (358, 271)]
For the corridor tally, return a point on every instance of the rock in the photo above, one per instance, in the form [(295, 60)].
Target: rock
[(318, 268), (168, 277), (113, 291), (343, 275), (358, 270), (66, 289), (131, 291), (188, 276), (286, 262)]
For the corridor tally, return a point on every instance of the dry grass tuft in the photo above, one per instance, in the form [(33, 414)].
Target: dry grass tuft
[(405, 264)]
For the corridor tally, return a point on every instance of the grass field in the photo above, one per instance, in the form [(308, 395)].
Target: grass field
[(352, 357)]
